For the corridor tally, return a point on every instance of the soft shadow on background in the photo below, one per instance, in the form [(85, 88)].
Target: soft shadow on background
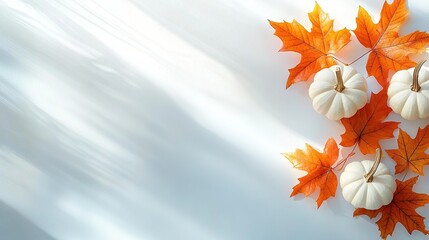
[(161, 120)]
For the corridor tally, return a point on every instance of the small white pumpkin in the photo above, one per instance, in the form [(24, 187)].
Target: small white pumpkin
[(338, 92), (409, 92), (368, 184)]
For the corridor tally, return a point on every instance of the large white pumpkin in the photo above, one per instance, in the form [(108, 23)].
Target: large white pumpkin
[(368, 184), (409, 92), (338, 92)]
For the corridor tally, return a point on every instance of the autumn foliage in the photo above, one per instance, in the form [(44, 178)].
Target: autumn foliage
[(388, 50), (387, 53), (367, 127), (318, 166), (402, 210), (411, 152), (315, 46)]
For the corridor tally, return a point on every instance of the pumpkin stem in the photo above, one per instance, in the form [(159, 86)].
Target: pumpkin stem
[(370, 175), (340, 83), (416, 87)]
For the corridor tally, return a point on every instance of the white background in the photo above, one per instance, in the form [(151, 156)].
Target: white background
[(128, 120)]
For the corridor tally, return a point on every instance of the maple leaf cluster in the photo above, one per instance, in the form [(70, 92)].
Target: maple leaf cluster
[(402, 209), (388, 51)]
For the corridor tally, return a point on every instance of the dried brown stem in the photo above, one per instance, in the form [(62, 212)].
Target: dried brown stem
[(340, 82), (415, 86), (370, 175)]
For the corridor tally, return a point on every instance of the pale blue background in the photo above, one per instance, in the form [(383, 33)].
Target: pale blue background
[(129, 120)]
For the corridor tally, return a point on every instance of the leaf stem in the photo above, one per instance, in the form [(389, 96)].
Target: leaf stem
[(405, 175), (357, 59), (348, 64), (338, 60), (343, 161)]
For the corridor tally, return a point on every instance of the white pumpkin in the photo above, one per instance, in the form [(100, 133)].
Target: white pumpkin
[(409, 92), (338, 92), (368, 184)]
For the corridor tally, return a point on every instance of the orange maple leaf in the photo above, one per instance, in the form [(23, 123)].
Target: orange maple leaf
[(389, 51), (366, 127), (411, 152), (319, 168), (402, 209), (316, 46)]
